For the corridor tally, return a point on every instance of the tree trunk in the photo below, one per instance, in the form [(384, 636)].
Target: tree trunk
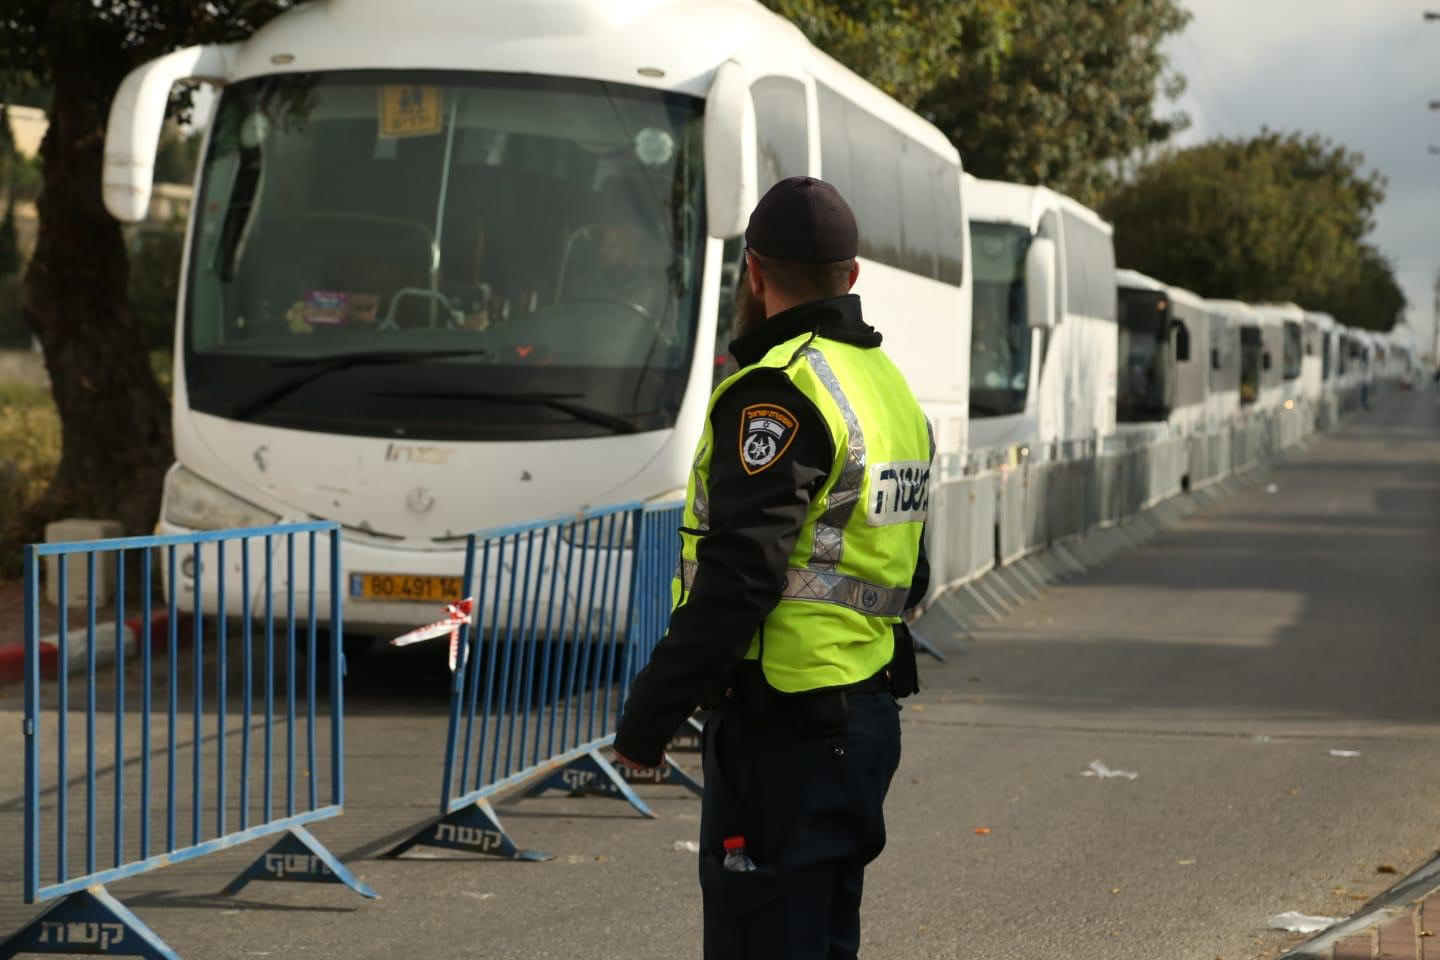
[(115, 418)]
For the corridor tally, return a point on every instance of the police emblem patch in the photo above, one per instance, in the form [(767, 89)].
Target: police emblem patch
[(766, 432)]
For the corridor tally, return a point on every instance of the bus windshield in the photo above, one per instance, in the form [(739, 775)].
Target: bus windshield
[(1000, 333), (446, 256), (1146, 389)]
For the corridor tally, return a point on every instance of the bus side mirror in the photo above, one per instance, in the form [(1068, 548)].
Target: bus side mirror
[(136, 115), (1182, 341), (1215, 363), (1040, 283), (1265, 360), (731, 191)]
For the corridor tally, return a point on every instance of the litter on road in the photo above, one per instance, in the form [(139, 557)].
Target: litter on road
[(1098, 769), (687, 846), (1296, 922)]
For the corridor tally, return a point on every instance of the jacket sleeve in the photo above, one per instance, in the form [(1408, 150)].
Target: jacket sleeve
[(762, 478)]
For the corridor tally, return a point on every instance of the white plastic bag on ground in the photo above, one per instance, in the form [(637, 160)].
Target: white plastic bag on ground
[(1297, 922), (1098, 769)]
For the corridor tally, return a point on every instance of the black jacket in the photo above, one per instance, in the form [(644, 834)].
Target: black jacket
[(755, 518)]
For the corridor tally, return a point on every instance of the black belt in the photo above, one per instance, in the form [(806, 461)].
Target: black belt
[(820, 711)]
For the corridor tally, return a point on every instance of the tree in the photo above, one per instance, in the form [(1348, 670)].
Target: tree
[(1058, 92), (1373, 299), (904, 48), (177, 156), (9, 162), (1071, 97), (1276, 217), (114, 416)]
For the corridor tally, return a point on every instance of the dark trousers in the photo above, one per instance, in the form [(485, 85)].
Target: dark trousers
[(811, 811)]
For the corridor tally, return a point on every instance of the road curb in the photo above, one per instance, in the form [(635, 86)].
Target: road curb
[(1402, 897), (12, 655)]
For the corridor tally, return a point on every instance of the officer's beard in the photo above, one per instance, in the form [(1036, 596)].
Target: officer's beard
[(749, 310)]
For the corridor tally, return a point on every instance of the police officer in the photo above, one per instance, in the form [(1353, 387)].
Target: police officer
[(800, 551)]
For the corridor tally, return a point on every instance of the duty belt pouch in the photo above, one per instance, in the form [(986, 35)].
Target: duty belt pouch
[(754, 693), (821, 714), (904, 673)]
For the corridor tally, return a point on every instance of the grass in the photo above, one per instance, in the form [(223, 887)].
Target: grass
[(29, 439), (29, 454)]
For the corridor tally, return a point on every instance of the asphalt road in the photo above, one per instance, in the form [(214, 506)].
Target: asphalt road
[(1222, 663)]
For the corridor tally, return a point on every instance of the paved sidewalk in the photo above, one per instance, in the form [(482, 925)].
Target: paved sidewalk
[(1226, 662), (1414, 935)]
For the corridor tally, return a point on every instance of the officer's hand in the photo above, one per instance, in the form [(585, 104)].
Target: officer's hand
[(625, 761)]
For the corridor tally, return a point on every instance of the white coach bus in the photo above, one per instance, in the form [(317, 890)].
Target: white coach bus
[(1285, 322), (1164, 342), (455, 264), (1319, 366), (1043, 343)]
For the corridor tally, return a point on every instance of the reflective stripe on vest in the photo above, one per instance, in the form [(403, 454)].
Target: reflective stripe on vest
[(830, 527), (848, 574), (825, 587)]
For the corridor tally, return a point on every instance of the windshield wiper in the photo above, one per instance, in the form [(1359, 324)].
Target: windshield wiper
[(320, 367), (563, 402)]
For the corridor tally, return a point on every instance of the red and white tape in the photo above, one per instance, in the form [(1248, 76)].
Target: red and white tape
[(457, 614)]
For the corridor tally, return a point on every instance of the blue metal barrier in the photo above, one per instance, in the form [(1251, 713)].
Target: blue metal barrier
[(566, 613), (87, 919)]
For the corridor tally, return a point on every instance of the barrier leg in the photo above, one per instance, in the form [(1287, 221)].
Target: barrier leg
[(925, 646), (88, 922), (590, 773), (297, 857), (689, 736), (668, 772), (474, 829)]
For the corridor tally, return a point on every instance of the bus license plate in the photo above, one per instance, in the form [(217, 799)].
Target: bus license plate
[(403, 586)]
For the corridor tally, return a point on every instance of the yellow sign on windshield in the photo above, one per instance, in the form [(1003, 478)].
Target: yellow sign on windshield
[(409, 110)]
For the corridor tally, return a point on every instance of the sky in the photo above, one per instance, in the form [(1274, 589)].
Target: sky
[(1361, 72)]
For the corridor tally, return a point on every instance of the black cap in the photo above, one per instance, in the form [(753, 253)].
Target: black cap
[(805, 219)]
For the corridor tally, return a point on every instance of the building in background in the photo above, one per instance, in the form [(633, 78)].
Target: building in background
[(27, 128)]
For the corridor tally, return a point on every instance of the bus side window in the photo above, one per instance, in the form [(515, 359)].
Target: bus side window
[(732, 274), (782, 141)]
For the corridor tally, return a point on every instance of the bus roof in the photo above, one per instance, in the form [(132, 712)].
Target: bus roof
[(664, 44), (997, 201), (1135, 280)]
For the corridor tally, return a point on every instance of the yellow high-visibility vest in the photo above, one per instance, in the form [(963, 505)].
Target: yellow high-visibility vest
[(849, 574)]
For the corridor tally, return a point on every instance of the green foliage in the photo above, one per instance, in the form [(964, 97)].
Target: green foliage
[(177, 156), (32, 31), (1273, 218), (904, 48), (116, 436), (1373, 298), (29, 444), (13, 332), (155, 281), (12, 328), (1071, 98), (9, 239), (1059, 92)]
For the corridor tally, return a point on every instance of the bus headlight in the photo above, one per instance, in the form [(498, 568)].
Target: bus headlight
[(200, 505)]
